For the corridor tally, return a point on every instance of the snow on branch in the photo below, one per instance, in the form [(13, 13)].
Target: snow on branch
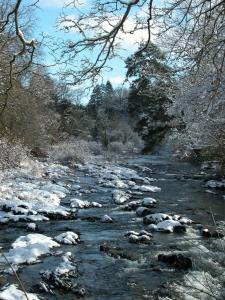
[(194, 31), (11, 20)]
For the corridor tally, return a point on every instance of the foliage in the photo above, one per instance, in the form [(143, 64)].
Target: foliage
[(72, 151), (100, 39), (150, 93), (203, 120), (30, 114), (112, 127), (12, 153)]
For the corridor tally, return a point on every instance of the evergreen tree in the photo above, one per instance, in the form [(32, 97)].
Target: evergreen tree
[(96, 99), (109, 91), (149, 93), (102, 100)]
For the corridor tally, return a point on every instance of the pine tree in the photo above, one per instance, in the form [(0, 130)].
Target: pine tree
[(149, 93), (96, 99)]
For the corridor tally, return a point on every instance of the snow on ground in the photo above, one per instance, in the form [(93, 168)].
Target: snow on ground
[(27, 249), (28, 193), (13, 293)]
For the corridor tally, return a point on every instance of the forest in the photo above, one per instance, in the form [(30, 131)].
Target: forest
[(112, 132)]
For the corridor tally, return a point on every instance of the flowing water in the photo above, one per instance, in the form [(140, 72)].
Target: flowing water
[(142, 276)]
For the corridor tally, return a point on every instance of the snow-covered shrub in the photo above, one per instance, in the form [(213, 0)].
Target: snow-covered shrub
[(11, 153), (131, 146), (71, 151), (116, 147), (95, 148)]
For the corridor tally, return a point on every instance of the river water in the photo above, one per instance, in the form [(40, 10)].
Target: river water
[(142, 276)]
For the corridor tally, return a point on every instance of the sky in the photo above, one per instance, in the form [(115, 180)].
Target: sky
[(47, 15)]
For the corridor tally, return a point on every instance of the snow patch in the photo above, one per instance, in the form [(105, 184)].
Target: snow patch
[(27, 249), (13, 293)]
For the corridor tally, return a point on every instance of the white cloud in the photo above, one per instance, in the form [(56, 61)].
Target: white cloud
[(117, 80), (59, 3), (131, 36)]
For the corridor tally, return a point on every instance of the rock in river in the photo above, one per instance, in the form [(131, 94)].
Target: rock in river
[(178, 261)]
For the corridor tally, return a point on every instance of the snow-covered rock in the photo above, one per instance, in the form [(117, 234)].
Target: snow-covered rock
[(142, 211), (13, 293), (156, 218), (68, 238), (27, 249), (216, 184), (148, 202), (59, 277), (152, 227), (120, 184), (66, 266), (106, 219), (167, 225), (139, 237), (147, 188), (133, 205), (78, 203), (120, 197), (31, 227), (184, 220)]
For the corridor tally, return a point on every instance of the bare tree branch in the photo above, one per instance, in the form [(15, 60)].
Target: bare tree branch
[(11, 20)]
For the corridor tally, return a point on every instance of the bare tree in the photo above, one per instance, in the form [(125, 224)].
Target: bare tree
[(198, 26), (100, 28), (16, 50)]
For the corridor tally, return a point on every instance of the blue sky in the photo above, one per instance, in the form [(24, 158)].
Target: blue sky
[(47, 17), (48, 13)]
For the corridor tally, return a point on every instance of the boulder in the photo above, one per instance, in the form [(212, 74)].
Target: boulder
[(177, 261), (106, 219), (212, 233), (142, 211)]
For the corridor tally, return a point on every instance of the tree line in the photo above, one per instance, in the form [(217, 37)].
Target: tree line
[(174, 86)]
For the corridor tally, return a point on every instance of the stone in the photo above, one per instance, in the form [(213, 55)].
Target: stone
[(179, 229), (178, 261), (106, 219), (212, 234), (142, 211), (116, 252)]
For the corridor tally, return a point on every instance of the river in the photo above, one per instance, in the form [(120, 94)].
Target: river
[(139, 275)]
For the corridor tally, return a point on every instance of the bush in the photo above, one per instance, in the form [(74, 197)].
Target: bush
[(116, 147), (131, 146), (71, 151), (95, 148), (11, 153)]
